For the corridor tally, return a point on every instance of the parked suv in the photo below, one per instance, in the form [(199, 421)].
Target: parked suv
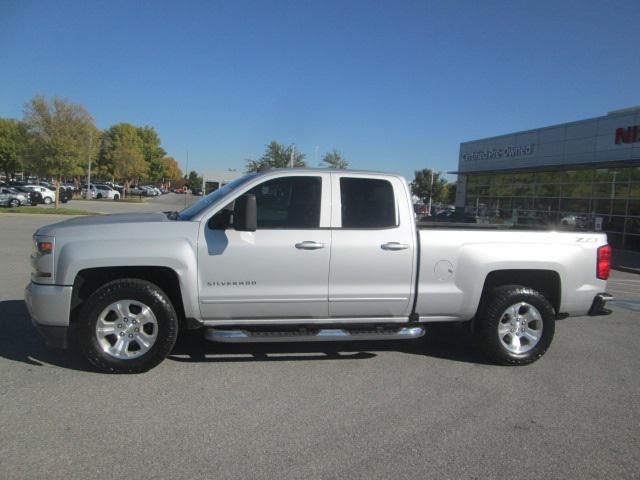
[(100, 191)]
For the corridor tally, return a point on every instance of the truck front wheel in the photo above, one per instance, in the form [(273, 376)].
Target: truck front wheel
[(515, 325), (127, 326)]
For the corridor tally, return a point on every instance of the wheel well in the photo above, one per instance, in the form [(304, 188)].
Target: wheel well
[(547, 282), (89, 280)]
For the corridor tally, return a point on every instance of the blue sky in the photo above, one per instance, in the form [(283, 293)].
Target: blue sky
[(393, 85)]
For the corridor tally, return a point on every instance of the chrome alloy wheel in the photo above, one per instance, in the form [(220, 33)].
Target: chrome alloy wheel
[(520, 327), (126, 329)]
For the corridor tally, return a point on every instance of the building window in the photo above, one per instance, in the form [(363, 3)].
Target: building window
[(557, 198)]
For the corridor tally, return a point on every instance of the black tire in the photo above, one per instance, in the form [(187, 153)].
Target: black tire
[(47, 200), (14, 203), (99, 195), (489, 317), (137, 290), (116, 197)]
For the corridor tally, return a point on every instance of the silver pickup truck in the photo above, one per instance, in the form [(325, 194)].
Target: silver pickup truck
[(304, 255)]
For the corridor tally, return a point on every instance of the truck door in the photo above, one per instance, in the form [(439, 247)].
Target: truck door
[(281, 269), (372, 249)]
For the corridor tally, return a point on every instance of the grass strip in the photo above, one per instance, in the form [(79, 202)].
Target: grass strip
[(47, 211)]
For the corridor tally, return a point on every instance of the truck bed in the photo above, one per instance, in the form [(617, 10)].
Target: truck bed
[(455, 262)]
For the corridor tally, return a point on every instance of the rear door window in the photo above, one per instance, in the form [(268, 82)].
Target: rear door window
[(367, 203)]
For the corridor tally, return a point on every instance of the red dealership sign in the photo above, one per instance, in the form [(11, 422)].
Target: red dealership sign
[(628, 135)]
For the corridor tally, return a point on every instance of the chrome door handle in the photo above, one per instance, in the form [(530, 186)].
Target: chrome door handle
[(309, 245), (394, 246)]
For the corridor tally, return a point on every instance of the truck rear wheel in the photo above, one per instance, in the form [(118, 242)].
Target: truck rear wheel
[(515, 325), (127, 326)]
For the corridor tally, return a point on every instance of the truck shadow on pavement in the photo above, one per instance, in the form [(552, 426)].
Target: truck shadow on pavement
[(20, 342), (450, 342)]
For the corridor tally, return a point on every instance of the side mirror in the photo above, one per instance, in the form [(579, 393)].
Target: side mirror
[(245, 214)]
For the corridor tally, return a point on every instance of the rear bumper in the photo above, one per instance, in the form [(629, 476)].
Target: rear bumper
[(599, 303), (49, 307)]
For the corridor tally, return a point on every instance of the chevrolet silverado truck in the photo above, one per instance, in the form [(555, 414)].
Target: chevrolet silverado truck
[(304, 255)]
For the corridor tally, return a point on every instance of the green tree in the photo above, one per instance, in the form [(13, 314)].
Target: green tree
[(194, 180), (60, 134), (334, 159), (276, 155), (119, 138), (13, 145), (152, 151), (143, 139), (450, 196), (423, 188), (171, 168), (129, 165)]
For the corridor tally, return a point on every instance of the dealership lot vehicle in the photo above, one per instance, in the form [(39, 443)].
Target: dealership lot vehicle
[(144, 190), (100, 191), (11, 197), (48, 195), (354, 272)]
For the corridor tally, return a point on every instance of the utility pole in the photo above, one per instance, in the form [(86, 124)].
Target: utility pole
[(187, 174), (89, 169), (293, 150), (430, 194), (316, 155)]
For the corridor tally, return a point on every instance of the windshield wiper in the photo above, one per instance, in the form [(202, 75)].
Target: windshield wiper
[(172, 215)]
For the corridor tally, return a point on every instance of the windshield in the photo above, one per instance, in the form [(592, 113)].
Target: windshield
[(198, 207)]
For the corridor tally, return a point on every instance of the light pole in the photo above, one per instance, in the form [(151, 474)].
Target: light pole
[(187, 173), (430, 194), (89, 169)]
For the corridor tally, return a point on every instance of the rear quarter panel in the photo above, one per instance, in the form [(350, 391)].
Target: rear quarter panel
[(455, 263)]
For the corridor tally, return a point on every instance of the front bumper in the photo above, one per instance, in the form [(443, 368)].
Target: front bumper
[(49, 307), (599, 302)]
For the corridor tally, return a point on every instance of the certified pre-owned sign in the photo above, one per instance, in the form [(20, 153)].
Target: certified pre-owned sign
[(628, 134), (506, 152)]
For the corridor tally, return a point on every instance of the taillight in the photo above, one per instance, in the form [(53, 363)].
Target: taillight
[(604, 262)]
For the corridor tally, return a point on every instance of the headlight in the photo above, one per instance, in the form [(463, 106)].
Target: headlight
[(42, 259)]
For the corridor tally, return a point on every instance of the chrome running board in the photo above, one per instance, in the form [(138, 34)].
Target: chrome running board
[(317, 335)]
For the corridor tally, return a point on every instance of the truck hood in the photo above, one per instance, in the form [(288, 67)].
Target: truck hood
[(102, 220)]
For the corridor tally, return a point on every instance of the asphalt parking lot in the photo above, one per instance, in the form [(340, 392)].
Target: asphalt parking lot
[(426, 409)]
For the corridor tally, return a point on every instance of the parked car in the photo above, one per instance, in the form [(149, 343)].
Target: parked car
[(270, 257), (15, 197), (420, 209), (137, 190), (35, 197), (575, 221), (65, 195), (117, 187), (100, 191), (151, 191), (48, 195)]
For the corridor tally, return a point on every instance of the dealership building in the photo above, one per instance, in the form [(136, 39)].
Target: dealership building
[(584, 173)]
